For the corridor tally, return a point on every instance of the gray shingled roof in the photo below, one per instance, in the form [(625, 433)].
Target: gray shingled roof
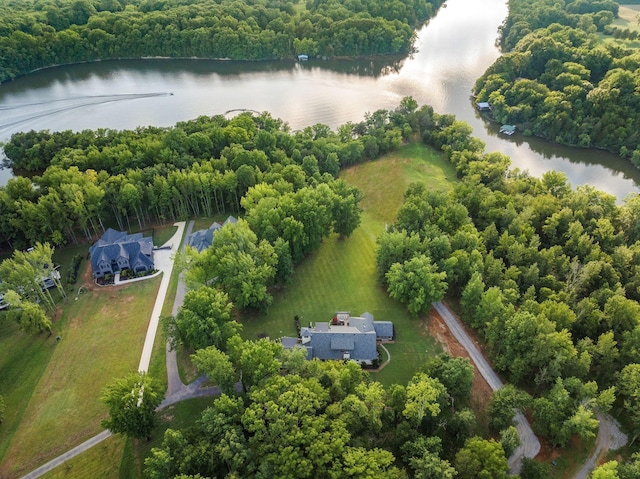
[(202, 239), (384, 329), (288, 342), (342, 342), (115, 244)]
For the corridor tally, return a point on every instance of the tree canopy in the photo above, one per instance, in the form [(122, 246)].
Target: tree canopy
[(132, 403), (39, 34), (557, 80)]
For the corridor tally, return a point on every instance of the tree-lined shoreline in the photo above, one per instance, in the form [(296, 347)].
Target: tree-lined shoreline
[(34, 36)]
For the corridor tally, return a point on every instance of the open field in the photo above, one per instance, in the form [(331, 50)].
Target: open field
[(102, 336), (341, 274), (119, 457), (627, 20)]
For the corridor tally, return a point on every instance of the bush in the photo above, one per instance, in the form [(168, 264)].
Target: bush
[(72, 272)]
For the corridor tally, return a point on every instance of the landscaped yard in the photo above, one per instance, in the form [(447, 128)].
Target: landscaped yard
[(52, 389), (341, 275)]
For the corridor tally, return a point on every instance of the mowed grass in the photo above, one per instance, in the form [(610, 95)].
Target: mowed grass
[(102, 334), (341, 274), (627, 19), (119, 457)]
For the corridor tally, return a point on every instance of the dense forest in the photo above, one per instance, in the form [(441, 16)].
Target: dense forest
[(84, 180), (549, 276), (38, 34), (559, 81)]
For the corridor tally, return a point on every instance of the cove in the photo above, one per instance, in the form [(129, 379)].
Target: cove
[(452, 50)]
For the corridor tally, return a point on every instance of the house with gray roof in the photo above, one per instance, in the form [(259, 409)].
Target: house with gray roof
[(202, 239), (116, 251), (344, 337)]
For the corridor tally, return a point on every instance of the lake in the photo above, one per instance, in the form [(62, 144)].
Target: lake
[(452, 50)]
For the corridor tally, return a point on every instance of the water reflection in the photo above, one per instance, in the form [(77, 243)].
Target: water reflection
[(452, 51)]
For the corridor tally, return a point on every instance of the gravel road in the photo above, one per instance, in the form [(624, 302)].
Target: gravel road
[(530, 446), (609, 437)]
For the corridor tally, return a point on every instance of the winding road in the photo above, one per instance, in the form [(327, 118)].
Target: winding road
[(530, 446), (609, 437)]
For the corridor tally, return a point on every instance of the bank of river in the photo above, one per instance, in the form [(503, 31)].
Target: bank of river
[(453, 50)]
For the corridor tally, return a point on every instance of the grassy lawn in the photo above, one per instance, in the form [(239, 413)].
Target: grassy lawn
[(58, 396), (627, 19), (119, 457), (570, 459), (341, 274)]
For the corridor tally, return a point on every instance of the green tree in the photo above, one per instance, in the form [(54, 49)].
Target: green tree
[(238, 264), (510, 440), (255, 360), (629, 388), (30, 316), (204, 320), (456, 375), (417, 283), (430, 466), (608, 470), (481, 458), (26, 271), (504, 404), (217, 366), (361, 463), (346, 209), (132, 403), (289, 434), (425, 397)]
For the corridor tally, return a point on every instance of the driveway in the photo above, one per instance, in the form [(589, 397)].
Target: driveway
[(530, 446)]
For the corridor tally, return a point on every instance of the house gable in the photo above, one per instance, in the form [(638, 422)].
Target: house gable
[(116, 250)]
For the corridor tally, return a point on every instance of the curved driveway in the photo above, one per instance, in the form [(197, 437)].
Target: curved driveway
[(609, 437), (530, 446)]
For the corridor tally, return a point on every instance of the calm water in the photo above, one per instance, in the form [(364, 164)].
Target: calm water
[(452, 51)]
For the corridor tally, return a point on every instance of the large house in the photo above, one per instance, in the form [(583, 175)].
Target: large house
[(117, 250), (202, 239), (344, 337)]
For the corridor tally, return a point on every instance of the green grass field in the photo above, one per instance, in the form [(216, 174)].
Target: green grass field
[(54, 388), (121, 458), (627, 19), (341, 274)]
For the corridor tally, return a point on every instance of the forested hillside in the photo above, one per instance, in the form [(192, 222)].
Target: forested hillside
[(549, 277), (39, 34), (559, 81)]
